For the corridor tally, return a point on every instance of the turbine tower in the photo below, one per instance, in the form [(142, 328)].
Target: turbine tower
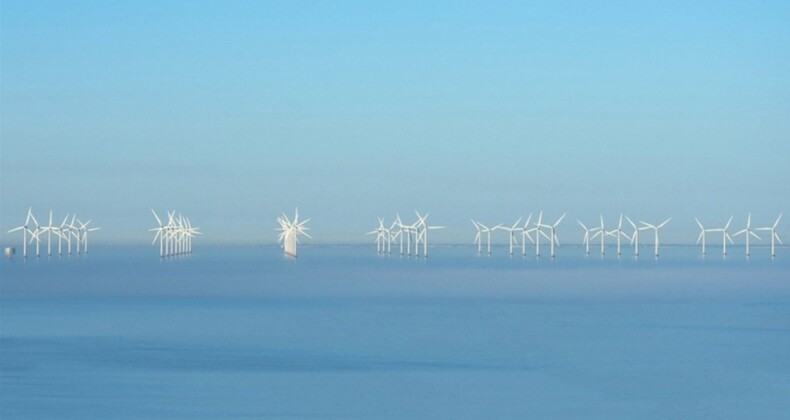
[(747, 232), (553, 230), (423, 232), (600, 231), (512, 233), (724, 236), (701, 236), (634, 236), (290, 231), (63, 233), (379, 232), (478, 237), (538, 232), (618, 233), (160, 234), (487, 230), (525, 234), (774, 235), (25, 230), (655, 229), (84, 236), (586, 240), (398, 234)]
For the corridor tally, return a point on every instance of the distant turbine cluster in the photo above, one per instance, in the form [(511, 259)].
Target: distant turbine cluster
[(747, 232), (538, 229), (415, 234), (67, 231), (618, 233), (175, 237), (290, 231)]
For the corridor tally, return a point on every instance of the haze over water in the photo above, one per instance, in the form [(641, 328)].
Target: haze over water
[(343, 333)]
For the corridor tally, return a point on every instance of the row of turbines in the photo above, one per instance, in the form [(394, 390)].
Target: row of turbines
[(175, 236), (415, 234), (69, 230), (748, 232), (548, 231)]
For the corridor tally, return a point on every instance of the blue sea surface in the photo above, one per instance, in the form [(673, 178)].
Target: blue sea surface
[(343, 333)]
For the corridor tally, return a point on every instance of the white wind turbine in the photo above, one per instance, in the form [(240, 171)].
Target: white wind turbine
[(160, 234), (478, 237), (48, 229), (538, 232), (525, 234), (424, 232), (190, 233), (35, 234), (701, 236), (76, 232), (512, 231), (618, 233), (747, 232), (586, 240), (553, 230), (290, 232), (63, 234), (774, 235), (487, 230), (635, 235), (724, 236), (71, 231), (399, 234), (85, 230), (25, 230), (600, 231), (382, 234), (655, 229)]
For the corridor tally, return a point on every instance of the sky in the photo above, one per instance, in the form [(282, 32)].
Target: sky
[(233, 112)]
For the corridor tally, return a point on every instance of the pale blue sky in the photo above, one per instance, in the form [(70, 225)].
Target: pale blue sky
[(234, 111)]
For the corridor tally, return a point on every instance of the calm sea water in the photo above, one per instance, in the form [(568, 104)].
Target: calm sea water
[(344, 333)]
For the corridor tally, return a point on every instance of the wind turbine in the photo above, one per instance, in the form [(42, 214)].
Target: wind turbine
[(586, 240), (487, 230), (48, 229), (512, 230), (424, 233), (525, 231), (399, 234), (160, 234), (600, 231), (290, 232), (701, 236), (538, 232), (635, 235), (61, 235), (618, 233), (190, 233), (774, 235), (655, 229), (478, 237), (85, 230), (25, 230), (553, 230), (379, 232), (76, 232), (724, 236), (35, 235), (747, 232), (71, 231)]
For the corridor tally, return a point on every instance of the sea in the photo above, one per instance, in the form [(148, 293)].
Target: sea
[(341, 332)]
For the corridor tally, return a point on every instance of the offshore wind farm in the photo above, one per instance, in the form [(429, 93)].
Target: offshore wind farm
[(398, 210)]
